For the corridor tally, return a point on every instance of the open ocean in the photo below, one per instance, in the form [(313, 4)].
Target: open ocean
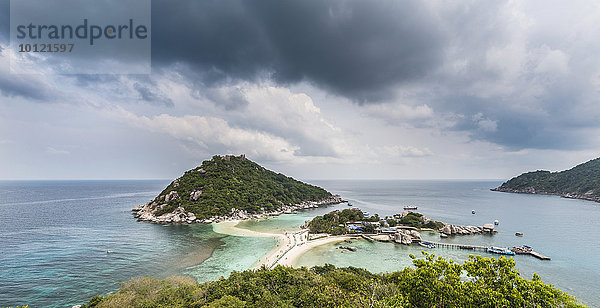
[(54, 236)]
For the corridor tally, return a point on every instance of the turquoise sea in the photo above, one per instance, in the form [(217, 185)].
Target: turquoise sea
[(54, 236)]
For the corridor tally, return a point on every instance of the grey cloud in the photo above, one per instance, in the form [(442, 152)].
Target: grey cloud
[(356, 49), (16, 85), (500, 121), (4, 21), (229, 99), (152, 96), (86, 80)]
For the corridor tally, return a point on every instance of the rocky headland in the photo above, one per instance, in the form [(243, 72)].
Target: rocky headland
[(589, 195), (146, 213), (579, 182)]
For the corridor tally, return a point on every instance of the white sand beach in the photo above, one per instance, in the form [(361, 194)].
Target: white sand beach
[(293, 254), (283, 240), (290, 246)]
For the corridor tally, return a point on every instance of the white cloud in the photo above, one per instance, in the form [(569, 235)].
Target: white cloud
[(54, 151), (214, 135), (552, 61), (400, 114), (397, 151)]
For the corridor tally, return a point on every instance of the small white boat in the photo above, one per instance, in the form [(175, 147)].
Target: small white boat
[(496, 222), (427, 244), (500, 251)]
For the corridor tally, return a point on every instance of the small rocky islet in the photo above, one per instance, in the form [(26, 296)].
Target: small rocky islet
[(230, 188)]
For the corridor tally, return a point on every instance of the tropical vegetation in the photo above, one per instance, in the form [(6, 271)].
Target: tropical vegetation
[(582, 181), (432, 282), (227, 182), (334, 222)]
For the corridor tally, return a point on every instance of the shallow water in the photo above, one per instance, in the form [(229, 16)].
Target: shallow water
[(563, 229), (54, 236)]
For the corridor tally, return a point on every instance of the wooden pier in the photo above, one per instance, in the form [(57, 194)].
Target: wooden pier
[(483, 248), (539, 255), (460, 246)]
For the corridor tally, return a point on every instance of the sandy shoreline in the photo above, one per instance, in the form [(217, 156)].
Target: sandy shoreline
[(290, 246), (283, 240), (293, 254)]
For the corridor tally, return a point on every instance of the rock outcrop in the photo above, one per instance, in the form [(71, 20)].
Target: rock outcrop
[(146, 211), (194, 195), (405, 237), (449, 229)]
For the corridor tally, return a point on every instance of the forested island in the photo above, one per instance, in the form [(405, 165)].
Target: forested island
[(354, 220), (580, 182), (433, 282), (230, 187)]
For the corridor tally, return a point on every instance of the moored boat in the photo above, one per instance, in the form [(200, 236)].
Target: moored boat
[(427, 244), (406, 208), (522, 249), (500, 250)]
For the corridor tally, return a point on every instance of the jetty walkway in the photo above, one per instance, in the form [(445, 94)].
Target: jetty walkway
[(483, 248)]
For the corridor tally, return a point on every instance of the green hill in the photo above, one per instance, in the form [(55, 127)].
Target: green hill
[(580, 182), (227, 182)]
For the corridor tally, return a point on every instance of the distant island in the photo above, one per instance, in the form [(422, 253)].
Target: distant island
[(230, 187), (580, 182)]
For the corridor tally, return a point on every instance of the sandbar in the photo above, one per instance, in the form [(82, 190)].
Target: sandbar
[(290, 246)]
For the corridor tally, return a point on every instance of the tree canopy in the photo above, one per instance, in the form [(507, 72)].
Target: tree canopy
[(227, 182), (432, 282), (582, 181)]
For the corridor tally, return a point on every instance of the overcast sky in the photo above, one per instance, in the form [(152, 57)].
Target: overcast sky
[(325, 89)]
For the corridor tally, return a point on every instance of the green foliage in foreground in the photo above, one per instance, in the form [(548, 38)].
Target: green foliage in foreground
[(583, 180), (235, 182), (479, 282)]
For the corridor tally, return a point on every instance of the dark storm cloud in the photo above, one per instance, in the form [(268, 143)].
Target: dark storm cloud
[(357, 49), (4, 20), (497, 120), (439, 55)]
